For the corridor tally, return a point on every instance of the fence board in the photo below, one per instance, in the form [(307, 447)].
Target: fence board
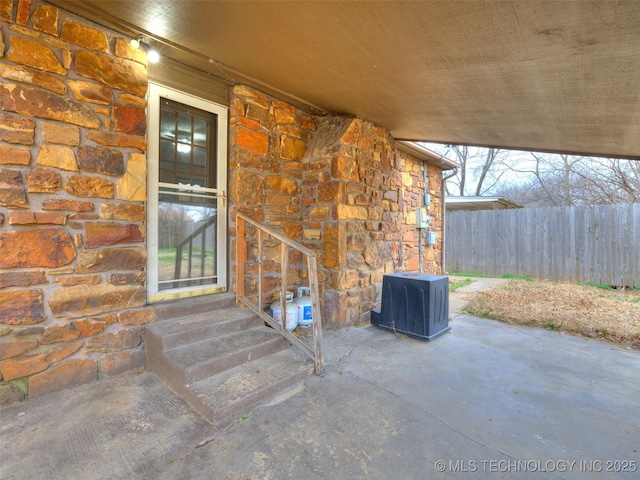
[(599, 244)]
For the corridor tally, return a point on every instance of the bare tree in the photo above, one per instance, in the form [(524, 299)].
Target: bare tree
[(605, 180), (171, 217), (565, 180), (480, 169), (554, 175), (538, 179)]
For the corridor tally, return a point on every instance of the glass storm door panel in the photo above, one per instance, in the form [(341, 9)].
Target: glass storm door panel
[(187, 204)]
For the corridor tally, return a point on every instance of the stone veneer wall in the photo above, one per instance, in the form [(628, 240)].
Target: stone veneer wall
[(72, 192), (364, 194), (339, 186), (268, 139)]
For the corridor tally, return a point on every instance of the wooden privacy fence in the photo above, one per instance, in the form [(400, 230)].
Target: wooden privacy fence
[(599, 244)]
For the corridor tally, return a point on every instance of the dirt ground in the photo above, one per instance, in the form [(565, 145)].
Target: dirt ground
[(589, 311)]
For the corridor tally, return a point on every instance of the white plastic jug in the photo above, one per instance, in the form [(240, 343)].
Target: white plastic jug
[(291, 312)]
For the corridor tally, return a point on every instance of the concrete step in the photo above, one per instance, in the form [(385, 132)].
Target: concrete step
[(220, 358), (185, 307), (172, 333), (236, 391), (213, 355)]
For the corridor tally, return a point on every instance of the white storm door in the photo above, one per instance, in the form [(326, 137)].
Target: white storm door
[(187, 205)]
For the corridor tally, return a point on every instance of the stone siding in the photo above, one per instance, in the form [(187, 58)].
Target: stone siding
[(268, 139), (362, 194), (337, 185), (72, 192)]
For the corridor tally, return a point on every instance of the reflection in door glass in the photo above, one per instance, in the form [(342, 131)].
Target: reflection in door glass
[(187, 153), (186, 242), (187, 213), (200, 129), (184, 128)]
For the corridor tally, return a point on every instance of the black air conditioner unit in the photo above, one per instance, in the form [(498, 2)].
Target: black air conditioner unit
[(414, 304)]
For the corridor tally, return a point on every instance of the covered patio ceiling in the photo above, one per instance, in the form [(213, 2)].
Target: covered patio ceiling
[(560, 76)]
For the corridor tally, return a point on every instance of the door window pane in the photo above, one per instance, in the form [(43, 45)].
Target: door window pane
[(184, 159), (187, 155), (199, 162), (184, 128), (168, 124), (187, 241), (200, 128)]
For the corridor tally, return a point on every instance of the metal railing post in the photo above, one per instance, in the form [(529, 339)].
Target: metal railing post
[(241, 258)]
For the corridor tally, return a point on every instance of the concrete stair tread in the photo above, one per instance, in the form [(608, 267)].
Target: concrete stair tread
[(232, 390), (202, 320), (216, 348), (192, 306)]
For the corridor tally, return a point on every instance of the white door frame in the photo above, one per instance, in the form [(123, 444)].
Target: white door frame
[(156, 92)]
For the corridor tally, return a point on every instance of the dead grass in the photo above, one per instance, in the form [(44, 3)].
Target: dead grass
[(593, 312)]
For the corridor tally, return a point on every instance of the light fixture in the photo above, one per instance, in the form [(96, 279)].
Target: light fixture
[(143, 43), (153, 56)]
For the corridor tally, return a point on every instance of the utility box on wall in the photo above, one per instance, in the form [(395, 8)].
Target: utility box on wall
[(422, 218), (414, 304)]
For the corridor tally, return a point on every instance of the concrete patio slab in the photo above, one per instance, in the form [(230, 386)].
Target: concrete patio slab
[(487, 398)]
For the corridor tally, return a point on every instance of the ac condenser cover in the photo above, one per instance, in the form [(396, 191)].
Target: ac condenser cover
[(414, 304)]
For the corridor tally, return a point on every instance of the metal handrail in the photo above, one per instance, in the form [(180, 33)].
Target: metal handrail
[(315, 352)]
